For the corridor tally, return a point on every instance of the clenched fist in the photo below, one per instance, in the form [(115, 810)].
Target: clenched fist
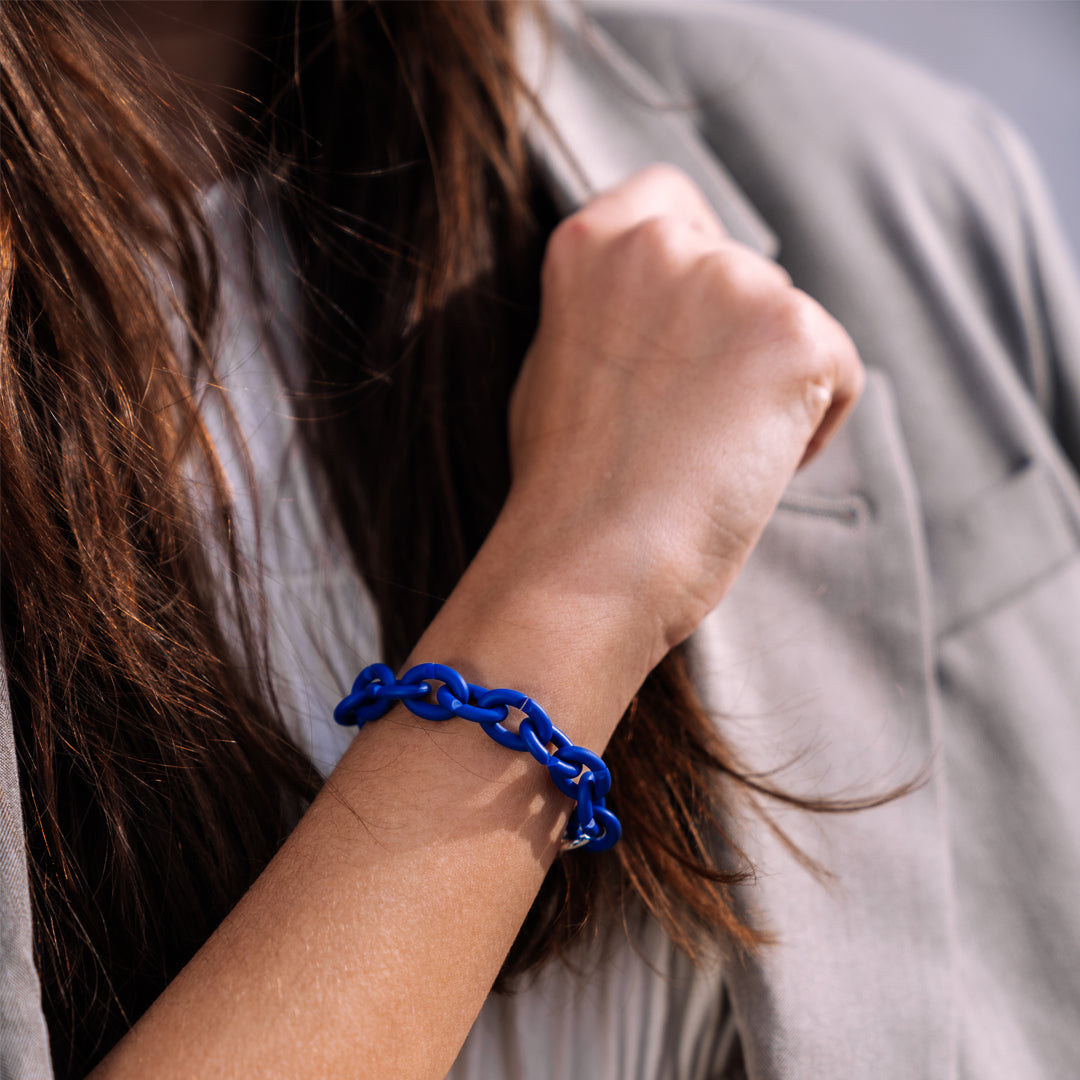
[(676, 382)]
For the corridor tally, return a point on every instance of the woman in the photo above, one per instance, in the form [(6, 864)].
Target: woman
[(675, 381)]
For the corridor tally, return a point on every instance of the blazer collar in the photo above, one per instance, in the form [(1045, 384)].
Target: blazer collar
[(611, 118)]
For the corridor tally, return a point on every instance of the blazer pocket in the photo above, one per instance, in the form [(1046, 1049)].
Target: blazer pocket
[(996, 548), (815, 665), (828, 624)]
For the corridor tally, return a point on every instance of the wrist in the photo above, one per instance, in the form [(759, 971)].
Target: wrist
[(549, 620), (610, 563)]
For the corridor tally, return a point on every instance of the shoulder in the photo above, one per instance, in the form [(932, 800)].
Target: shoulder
[(716, 47), (773, 89), (868, 167)]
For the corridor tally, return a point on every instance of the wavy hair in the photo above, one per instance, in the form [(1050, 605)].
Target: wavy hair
[(158, 776)]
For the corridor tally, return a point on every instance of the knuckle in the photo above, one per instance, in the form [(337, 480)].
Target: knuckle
[(795, 319), (780, 278), (747, 277), (847, 357), (652, 232), (657, 240), (814, 341), (737, 277), (570, 235), (566, 245), (807, 341), (850, 372), (819, 358)]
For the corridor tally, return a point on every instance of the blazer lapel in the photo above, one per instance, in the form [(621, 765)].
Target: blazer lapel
[(822, 650), (610, 119)]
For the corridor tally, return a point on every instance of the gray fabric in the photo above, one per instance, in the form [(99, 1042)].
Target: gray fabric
[(914, 602), (917, 597), (24, 1042), (645, 1013), (322, 627)]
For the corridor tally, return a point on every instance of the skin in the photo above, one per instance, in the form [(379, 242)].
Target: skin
[(675, 384)]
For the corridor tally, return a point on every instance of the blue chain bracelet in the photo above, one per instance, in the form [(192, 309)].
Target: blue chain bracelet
[(575, 771)]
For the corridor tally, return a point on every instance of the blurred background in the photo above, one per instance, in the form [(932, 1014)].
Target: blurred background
[(1023, 55)]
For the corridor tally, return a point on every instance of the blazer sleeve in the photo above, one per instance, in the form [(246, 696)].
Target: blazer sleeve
[(24, 1040)]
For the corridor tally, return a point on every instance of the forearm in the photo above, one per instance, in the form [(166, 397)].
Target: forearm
[(675, 382), (368, 945)]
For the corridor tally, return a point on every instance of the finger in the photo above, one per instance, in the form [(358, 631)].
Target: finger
[(656, 191), (837, 412), (849, 377), (742, 271)]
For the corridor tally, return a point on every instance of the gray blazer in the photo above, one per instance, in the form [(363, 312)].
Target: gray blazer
[(914, 602)]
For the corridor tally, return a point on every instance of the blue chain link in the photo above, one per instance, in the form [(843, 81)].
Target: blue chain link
[(578, 773)]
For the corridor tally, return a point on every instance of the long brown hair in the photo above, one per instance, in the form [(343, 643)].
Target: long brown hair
[(158, 777)]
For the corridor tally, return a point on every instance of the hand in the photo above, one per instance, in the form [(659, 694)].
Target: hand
[(676, 381)]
